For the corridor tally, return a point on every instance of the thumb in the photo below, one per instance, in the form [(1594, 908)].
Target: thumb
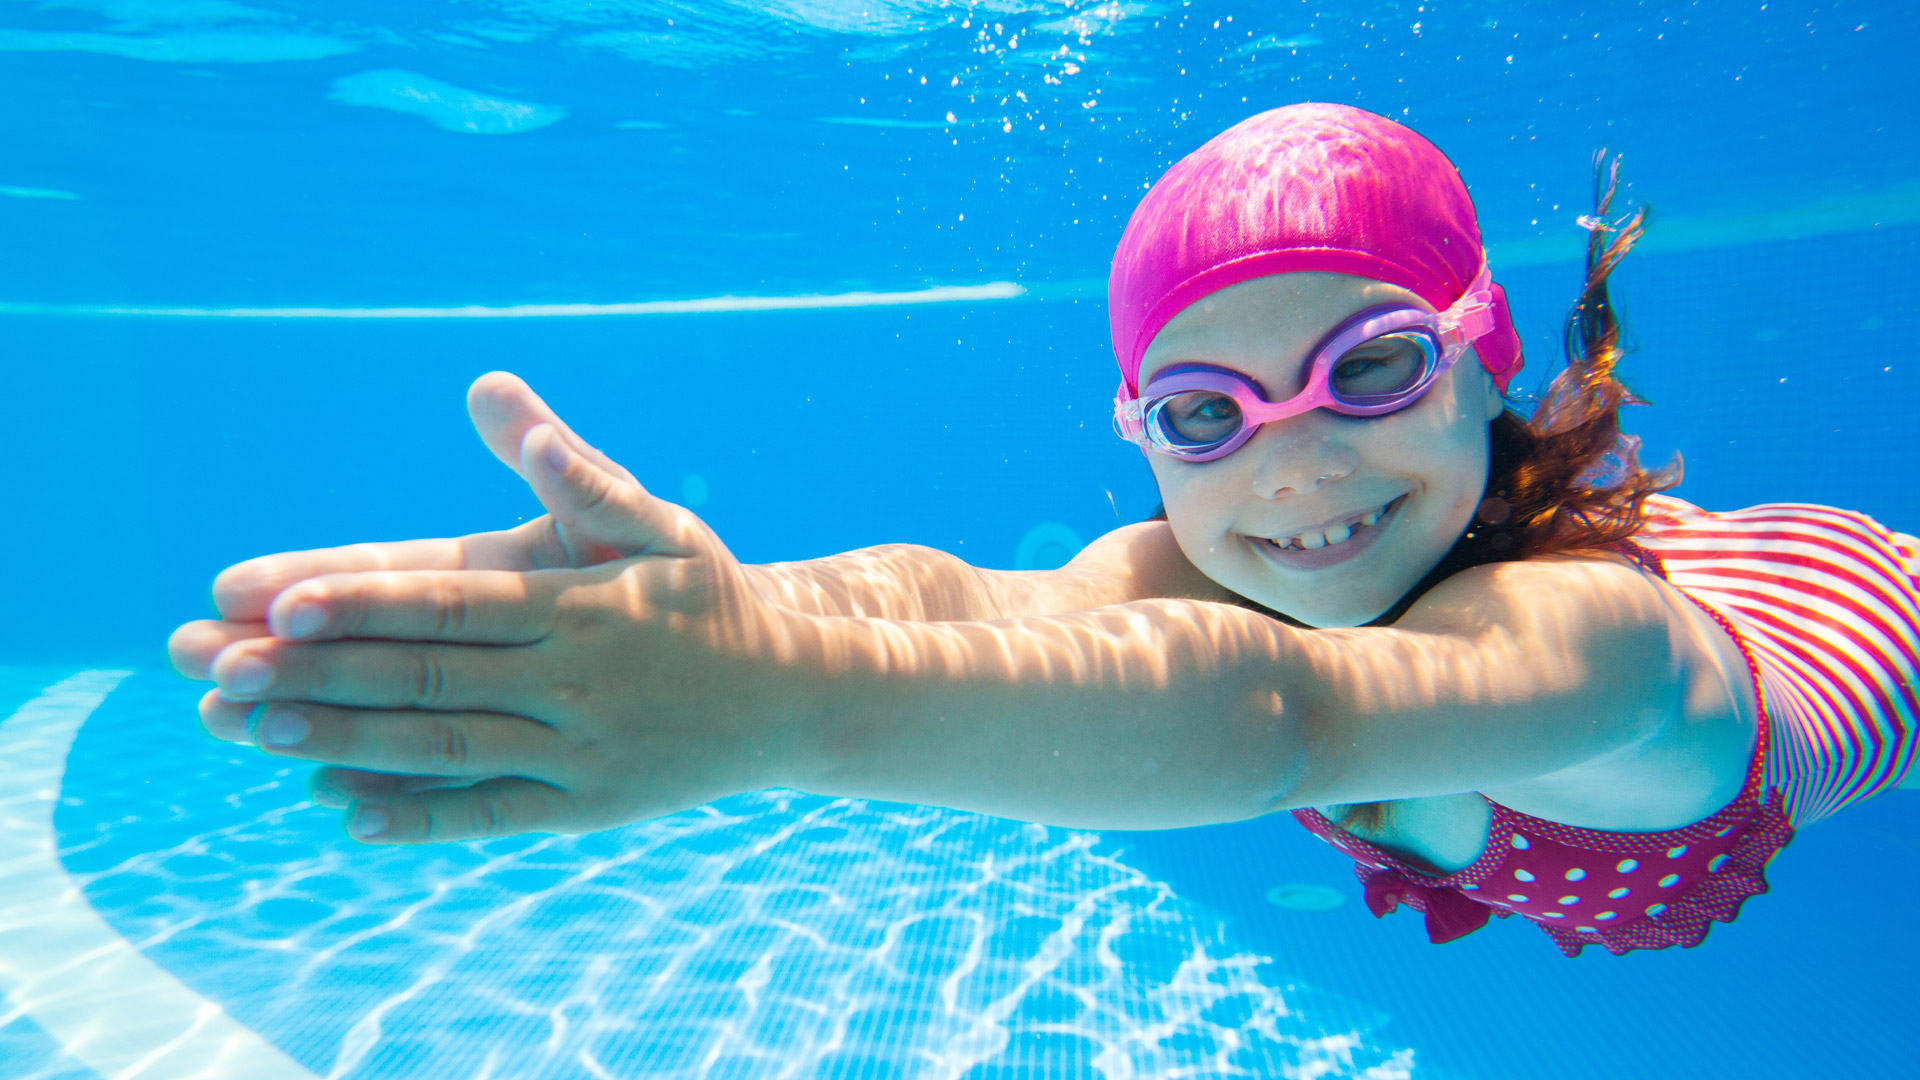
[(597, 515), (504, 408)]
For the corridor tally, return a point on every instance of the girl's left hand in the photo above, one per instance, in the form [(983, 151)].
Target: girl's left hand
[(453, 705)]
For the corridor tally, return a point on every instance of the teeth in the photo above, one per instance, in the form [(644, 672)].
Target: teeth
[(1338, 534)]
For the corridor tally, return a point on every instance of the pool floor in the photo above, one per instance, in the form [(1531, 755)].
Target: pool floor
[(174, 907)]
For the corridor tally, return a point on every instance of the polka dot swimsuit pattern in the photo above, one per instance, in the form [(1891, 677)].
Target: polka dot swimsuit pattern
[(1609, 890), (1825, 606), (1622, 891)]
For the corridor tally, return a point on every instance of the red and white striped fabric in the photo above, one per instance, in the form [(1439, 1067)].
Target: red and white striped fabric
[(1828, 604)]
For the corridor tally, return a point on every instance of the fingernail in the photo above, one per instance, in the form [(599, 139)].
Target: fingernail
[(282, 727), (249, 675), (368, 822), (305, 618), (558, 456)]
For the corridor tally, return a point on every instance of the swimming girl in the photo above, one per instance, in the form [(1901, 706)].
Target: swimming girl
[(1479, 653)]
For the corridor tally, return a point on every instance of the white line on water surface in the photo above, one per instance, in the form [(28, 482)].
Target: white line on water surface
[(946, 294), (108, 1006), (1891, 208), (1865, 212)]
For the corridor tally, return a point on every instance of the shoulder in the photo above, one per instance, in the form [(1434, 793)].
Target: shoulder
[(1626, 627), (1584, 593), (1133, 562), (1594, 612), (1146, 561), (1576, 687)]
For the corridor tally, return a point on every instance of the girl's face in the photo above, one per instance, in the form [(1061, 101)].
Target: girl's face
[(1328, 518)]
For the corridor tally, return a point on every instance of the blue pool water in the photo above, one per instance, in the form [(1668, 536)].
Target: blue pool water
[(210, 209)]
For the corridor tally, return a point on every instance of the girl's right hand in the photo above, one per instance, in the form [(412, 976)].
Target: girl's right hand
[(593, 517)]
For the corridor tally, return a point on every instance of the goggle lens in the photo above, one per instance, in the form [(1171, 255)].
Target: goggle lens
[(1194, 419), (1382, 369)]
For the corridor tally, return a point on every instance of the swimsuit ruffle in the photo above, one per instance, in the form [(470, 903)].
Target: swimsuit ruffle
[(1451, 912)]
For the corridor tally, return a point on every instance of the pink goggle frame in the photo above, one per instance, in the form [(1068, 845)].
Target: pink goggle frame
[(1445, 336)]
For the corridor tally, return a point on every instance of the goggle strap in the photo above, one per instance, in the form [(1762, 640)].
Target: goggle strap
[(1474, 322), (1470, 317), (1125, 424)]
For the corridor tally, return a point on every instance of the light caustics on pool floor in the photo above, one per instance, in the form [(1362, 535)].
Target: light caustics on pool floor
[(60, 964), (214, 925)]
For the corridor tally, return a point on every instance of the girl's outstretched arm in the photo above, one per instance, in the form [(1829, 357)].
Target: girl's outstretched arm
[(573, 700), (1167, 713)]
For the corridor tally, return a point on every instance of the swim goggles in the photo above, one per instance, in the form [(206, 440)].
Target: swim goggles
[(1379, 361)]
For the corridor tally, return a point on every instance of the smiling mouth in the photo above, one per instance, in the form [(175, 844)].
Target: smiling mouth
[(1336, 534)]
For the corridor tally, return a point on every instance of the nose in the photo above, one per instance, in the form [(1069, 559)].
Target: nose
[(1297, 455)]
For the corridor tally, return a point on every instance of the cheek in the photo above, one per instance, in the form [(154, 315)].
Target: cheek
[(1442, 438), (1184, 488), (1198, 505), (1445, 454), (1457, 472)]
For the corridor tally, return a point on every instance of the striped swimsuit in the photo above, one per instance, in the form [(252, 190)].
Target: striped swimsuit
[(1825, 606)]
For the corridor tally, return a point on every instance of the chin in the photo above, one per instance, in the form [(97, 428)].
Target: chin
[(1322, 617), (1362, 600), (1339, 620)]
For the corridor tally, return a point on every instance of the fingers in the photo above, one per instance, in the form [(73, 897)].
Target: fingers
[(336, 789), (593, 504), (193, 646), (243, 591), (440, 744), (487, 607), (504, 409), (608, 516), (501, 807), (382, 675), (225, 720)]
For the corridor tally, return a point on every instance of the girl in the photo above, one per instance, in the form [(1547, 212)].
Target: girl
[(1478, 653)]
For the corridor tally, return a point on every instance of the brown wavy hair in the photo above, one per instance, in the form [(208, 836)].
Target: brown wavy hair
[(1565, 478)]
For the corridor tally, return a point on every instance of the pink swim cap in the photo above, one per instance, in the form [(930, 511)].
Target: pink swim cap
[(1309, 187)]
